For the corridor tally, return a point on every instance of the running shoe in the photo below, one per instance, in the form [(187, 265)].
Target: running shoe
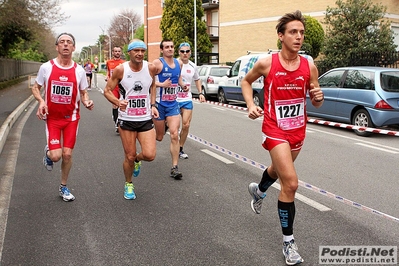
[(183, 155), (137, 167), (174, 172), (47, 162), (290, 252), (66, 194), (256, 202), (129, 191)]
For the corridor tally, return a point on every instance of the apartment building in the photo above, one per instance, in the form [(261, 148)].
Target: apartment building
[(236, 26)]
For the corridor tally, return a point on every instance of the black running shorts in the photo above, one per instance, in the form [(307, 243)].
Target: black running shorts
[(140, 126)]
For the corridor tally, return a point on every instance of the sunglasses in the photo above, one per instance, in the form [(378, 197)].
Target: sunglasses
[(184, 51)]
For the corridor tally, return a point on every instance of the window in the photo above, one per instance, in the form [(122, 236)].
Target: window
[(359, 79), (332, 79), (235, 69), (390, 81)]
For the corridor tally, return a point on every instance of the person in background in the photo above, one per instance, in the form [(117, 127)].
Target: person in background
[(168, 82), (288, 77), (185, 98), (136, 79), (89, 67), (65, 87), (111, 65)]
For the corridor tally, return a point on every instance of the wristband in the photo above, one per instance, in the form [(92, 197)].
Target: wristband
[(201, 93), (154, 105)]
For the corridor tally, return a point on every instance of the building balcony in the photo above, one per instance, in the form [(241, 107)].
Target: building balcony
[(210, 4)]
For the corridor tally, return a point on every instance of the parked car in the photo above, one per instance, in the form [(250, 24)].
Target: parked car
[(361, 96), (210, 76)]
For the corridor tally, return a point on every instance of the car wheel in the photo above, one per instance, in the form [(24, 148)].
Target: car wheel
[(362, 119), (222, 96), (256, 99)]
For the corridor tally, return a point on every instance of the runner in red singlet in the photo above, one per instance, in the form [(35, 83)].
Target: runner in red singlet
[(111, 65), (65, 87), (288, 78)]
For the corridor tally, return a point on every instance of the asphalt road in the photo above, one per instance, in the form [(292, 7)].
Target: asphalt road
[(205, 219)]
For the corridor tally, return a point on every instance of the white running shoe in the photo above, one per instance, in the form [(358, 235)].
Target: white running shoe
[(66, 194), (290, 253)]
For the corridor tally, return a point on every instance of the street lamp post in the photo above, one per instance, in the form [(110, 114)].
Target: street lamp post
[(195, 32), (91, 53), (110, 46), (130, 22)]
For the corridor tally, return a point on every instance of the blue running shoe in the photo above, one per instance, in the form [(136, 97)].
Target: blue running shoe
[(66, 194), (47, 162), (129, 191), (290, 253), (137, 167)]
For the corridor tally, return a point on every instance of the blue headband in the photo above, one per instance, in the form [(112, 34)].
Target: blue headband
[(184, 44), (135, 45)]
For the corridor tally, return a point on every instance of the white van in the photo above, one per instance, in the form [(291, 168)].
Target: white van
[(230, 85)]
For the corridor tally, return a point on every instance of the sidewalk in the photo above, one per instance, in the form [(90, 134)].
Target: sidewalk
[(13, 101)]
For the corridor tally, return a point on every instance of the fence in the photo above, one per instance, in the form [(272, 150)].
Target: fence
[(13, 68)]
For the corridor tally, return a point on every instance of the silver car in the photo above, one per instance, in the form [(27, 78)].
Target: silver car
[(210, 76)]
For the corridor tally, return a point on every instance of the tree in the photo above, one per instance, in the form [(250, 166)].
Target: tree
[(355, 27), (314, 37), (28, 23), (177, 24), (121, 27)]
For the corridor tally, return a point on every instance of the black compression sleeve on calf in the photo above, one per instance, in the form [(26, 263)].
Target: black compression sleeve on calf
[(286, 212), (266, 181), (115, 114)]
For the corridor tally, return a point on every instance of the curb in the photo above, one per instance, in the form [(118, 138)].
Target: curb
[(11, 119)]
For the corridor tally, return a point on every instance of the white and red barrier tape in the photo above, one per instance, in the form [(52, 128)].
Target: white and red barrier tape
[(322, 122), (301, 183)]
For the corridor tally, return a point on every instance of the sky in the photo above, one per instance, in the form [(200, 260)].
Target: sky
[(89, 16)]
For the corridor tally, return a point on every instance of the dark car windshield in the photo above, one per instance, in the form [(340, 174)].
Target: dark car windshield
[(219, 71), (390, 81)]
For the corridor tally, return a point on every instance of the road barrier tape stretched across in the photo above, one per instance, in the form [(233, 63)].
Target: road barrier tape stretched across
[(322, 122)]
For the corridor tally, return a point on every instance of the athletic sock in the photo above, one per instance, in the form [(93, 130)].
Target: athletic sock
[(266, 181)]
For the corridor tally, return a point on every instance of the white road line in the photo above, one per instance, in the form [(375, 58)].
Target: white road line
[(219, 108), (376, 148), (300, 197), (357, 140), (217, 156), (306, 200)]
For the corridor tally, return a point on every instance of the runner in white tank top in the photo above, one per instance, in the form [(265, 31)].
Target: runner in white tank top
[(136, 79)]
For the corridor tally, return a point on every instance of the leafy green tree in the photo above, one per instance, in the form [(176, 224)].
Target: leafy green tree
[(177, 24), (355, 27), (139, 34), (314, 37), (27, 20)]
